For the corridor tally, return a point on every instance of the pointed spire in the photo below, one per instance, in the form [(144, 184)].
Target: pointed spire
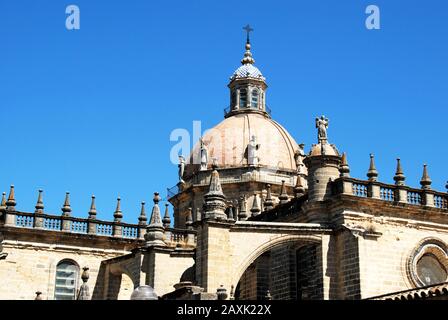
[(3, 202), (268, 203), (283, 195), (214, 204), (299, 189), (372, 173), (344, 169), (40, 203), (118, 215), (426, 181), (399, 176), (156, 219), (142, 219), (154, 231), (11, 202), (255, 207), (92, 211), (66, 209), (242, 215), (166, 219), (248, 55), (215, 183), (189, 219)]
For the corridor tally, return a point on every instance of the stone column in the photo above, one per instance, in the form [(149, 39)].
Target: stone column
[(428, 198), (10, 218), (373, 190), (401, 194)]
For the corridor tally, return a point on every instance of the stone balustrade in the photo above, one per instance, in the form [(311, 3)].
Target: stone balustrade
[(180, 237), (392, 193), (73, 225), (173, 237), (230, 175)]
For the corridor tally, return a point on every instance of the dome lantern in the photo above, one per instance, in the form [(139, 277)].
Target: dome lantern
[(247, 86)]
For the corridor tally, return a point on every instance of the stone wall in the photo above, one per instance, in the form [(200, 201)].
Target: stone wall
[(31, 267), (383, 260), (168, 270), (283, 273)]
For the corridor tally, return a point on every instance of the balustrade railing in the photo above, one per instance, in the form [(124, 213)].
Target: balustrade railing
[(204, 180), (130, 232), (53, 223), (414, 197), (75, 225), (25, 221), (360, 190), (387, 194), (391, 193), (441, 202), (173, 237), (79, 226), (104, 229), (180, 237)]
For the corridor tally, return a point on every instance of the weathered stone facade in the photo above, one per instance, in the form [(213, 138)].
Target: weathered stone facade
[(270, 223)]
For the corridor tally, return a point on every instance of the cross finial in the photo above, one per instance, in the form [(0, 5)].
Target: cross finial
[(248, 31)]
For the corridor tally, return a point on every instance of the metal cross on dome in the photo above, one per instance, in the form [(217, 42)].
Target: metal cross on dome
[(248, 30)]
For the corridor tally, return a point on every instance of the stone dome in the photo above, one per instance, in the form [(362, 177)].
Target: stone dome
[(228, 142), (144, 293), (247, 70), (330, 150)]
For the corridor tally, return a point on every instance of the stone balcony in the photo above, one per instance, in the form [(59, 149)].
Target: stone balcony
[(92, 227), (390, 193)]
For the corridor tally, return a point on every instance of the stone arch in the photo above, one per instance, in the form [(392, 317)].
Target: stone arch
[(126, 287), (118, 270), (121, 273), (266, 246)]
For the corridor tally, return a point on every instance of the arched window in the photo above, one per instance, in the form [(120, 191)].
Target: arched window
[(254, 102), (243, 98), (233, 100), (66, 280)]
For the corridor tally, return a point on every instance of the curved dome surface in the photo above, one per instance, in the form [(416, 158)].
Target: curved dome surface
[(228, 142), (247, 70), (330, 150)]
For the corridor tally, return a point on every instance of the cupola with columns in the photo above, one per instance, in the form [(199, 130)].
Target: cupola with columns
[(247, 86)]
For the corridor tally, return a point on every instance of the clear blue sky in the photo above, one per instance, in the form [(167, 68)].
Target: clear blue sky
[(91, 111)]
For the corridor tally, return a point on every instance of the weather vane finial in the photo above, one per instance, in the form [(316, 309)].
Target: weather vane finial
[(248, 31)]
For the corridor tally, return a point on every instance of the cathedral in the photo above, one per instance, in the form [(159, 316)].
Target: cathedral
[(256, 216)]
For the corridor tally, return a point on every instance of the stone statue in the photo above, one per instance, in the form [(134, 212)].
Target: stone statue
[(204, 156), (299, 156), (252, 149), (181, 168), (322, 126)]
